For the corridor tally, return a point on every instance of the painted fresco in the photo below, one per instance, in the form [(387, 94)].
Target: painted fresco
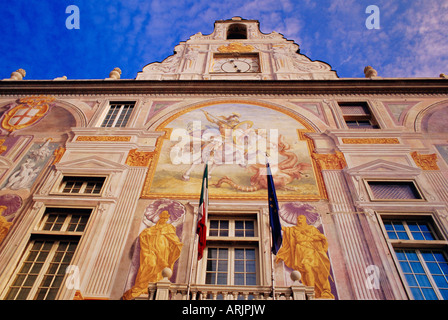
[(9, 205), (305, 248), (27, 170), (236, 139), (158, 245), (28, 111)]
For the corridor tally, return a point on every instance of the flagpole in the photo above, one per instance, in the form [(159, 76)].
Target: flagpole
[(273, 251), (195, 239), (272, 267), (271, 239)]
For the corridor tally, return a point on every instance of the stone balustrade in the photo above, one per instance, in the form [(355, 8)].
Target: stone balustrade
[(165, 290)]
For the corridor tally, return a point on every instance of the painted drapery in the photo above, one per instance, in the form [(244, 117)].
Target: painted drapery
[(160, 247)]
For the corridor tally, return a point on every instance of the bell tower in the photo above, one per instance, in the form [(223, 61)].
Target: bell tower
[(237, 50)]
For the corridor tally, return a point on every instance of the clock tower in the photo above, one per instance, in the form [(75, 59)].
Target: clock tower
[(237, 50)]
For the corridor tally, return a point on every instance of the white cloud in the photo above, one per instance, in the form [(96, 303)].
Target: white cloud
[(412, 40), (423, 50)]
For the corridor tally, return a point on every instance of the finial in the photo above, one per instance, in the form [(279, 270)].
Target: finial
[(19, 74), (167, 273), (369, 72), (115, 74), (296, 276)]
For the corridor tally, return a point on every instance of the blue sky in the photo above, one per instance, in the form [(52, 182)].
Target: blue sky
[(129, 34)]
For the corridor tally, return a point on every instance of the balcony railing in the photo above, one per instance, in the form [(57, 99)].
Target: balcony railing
[(170, 291), (165, 290)]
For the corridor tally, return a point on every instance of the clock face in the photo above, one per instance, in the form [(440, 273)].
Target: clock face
[(236, 64)]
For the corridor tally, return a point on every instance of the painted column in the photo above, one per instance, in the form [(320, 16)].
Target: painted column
[(435, 177), (105, 267), (348, 225)]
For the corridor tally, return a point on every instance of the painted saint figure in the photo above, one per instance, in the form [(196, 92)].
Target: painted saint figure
[(305, 249), (160, 247)]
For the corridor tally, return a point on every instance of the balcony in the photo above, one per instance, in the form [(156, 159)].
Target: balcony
[(165, 290)]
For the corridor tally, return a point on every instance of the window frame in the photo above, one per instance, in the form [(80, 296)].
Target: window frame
[(232, 242), (231, 257), (117, 116), (38, 281), (39, 227), (372, 197), (58, 188), (439, 244), (369, 116), (427, 272), (55, 237), (231, 236)]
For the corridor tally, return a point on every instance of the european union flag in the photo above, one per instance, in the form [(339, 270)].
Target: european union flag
[(274, 219)]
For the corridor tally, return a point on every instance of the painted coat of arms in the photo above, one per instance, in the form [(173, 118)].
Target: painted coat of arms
[(28, 111)]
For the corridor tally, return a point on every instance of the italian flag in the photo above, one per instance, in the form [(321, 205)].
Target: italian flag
[(202, 214)]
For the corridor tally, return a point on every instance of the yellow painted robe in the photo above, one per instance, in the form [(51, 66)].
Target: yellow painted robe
[(306, 246), (159, 248)]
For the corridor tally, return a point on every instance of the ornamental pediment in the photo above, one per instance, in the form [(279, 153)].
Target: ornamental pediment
[(383, 168), (96, 163)]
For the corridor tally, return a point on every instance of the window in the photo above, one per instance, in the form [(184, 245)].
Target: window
[(420, 251), (57, 221), (358, 115), (393, 190), (409, 230), (237, 31), (118, 114), (232, 252), (219, 228), (41, 271), (239, 262), (426, 273), (84, 185)]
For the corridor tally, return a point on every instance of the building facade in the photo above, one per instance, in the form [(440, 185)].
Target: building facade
[(101, 179)]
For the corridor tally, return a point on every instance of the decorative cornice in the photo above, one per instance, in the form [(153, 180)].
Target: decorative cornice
[(425, 161), (370, 141), (104, 138), (275, 87)]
